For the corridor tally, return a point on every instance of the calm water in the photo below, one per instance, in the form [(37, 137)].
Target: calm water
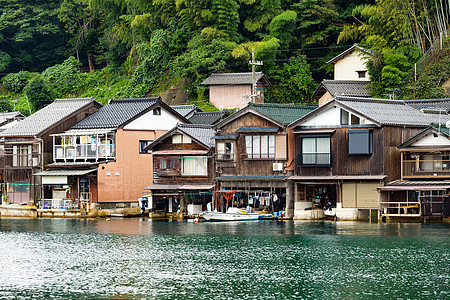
[(138, 258)]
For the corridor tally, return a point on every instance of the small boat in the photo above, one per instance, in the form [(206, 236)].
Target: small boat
[(232, 214)]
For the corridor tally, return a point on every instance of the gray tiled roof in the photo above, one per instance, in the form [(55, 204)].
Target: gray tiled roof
[(232, 78), (209, 118), (430, 104), (116, 113), (185, 110), (47, 117), (390, 112), (202, 133), (352, 88), (5, 116)]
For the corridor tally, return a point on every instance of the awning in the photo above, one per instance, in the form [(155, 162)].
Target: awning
[(413, 187), (226, 137), (164, 187), (315, 131), (180, 152), (338, 177), (197, 187), (250, 178), (257, 129), (65, 172)]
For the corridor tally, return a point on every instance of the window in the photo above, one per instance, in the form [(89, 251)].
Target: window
[(344, 117), (360, 142), (168, 163), (361, 74), (18, 187), (143, 144), (22, 156), (315, 151), (181, 139), (195, 165), (157, 111), (355, 120), (260, 146), (225, 150)]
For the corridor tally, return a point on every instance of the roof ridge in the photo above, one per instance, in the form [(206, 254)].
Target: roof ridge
[(143, 99), (74, 99)]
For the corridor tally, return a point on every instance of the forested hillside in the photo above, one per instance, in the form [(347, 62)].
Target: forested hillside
[(133, 48)]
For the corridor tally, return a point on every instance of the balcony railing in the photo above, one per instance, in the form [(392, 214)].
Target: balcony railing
[(20, 161), (314, 159), (411, 209), (426, 168), (85, 152)]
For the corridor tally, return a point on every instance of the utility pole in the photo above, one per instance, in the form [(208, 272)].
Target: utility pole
[(254, 63)]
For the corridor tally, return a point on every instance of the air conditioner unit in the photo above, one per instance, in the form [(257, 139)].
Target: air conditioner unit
[(278, 167)]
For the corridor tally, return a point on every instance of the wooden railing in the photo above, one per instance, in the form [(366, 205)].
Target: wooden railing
[(20, 161), (400, 208), (426, 168)]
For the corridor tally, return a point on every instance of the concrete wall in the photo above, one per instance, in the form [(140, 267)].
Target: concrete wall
[(346, 67), (230, 96)]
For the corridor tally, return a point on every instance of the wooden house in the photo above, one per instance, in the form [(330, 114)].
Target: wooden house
[(183, 169), (102, 160), (235, 90), (28, 146), (252, 157), (347, 148), (424, 187)]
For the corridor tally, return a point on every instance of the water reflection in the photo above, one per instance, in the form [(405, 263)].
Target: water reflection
[(141, 258)]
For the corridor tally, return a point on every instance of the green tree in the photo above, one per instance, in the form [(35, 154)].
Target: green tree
[(15, 82), (38, 92), (65, 78)]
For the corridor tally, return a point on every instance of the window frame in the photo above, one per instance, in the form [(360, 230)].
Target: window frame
[(203, 159), (315, 164), (141, 148), (174, 163), (257, 144), (362, 73), (353, 133), (230, 154)]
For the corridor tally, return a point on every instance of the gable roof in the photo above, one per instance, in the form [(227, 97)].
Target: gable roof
[(185, 110), (380, 111), (119, 112), (234, 78), (281, 114), (48, 117), (437, 105), (348, 51), (207, 118), (352, 88), (434, 127), (198, 132)]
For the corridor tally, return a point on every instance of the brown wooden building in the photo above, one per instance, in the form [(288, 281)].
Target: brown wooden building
[(346, 149), (28, 146), (252, 155), (183, 169)]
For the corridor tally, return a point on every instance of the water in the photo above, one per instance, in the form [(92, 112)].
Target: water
[(140, 258)]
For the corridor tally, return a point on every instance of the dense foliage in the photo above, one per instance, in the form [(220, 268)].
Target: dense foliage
[(133, 48)]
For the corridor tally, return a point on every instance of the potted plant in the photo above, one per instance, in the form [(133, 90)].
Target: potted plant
[(5, 199)]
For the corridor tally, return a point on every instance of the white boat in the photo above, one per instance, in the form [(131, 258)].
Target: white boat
[(232, 214)]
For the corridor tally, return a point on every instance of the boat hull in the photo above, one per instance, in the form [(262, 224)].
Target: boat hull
[(219, 216)]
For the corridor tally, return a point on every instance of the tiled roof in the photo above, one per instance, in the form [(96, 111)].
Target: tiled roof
[(5, 116), (232, 78), (348, 51), (116, 113), (202, 133), (430, 104), (284, 113), (391, 112), (209, 118), (442, 129), (352, 88), (185, 110), (47, 117)]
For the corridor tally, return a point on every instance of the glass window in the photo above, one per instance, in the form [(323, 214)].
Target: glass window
[(355, 120), (260, 146), (225, 150), (360, 142), (168, 163), (157, 111), (315, 151), (143, 144), (344, 117), (361, 74), (195, 165)]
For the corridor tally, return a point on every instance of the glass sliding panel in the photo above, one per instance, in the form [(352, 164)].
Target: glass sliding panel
[(248, 146), (308, 151), (271, 146), (323, 151), (256, 146), (264, 146)]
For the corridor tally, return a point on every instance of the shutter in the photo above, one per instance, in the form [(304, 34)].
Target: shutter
[(367, 195), (348, 195), (281, 147)]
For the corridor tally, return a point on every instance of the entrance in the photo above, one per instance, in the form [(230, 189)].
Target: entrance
[(85, 189)]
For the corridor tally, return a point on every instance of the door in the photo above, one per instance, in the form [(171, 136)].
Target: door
[(85, 189)]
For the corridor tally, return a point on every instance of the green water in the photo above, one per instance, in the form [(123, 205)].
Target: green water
[(140, 258)]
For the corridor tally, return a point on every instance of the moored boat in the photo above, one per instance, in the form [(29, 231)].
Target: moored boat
[(232, 214)]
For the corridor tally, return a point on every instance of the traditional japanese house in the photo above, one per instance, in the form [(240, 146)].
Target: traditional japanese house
[(252, 156), (183, 169), (424, 187), (28, 147), (235, 90), (102, 160), (347, 148)]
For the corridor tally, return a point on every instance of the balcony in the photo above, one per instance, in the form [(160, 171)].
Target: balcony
[(83, 146), (426, 168)]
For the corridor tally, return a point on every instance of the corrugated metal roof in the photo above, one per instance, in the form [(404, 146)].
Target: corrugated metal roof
[(197, 187), (338, 177), (257, 129), (207, 118), (163, 187), (400, 185), (180, 152), (284, 113), (65, 172), (232, 78), (391, 112), (46, 117), (352, 88), (241, 178), (226, 137), (116, 113)]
